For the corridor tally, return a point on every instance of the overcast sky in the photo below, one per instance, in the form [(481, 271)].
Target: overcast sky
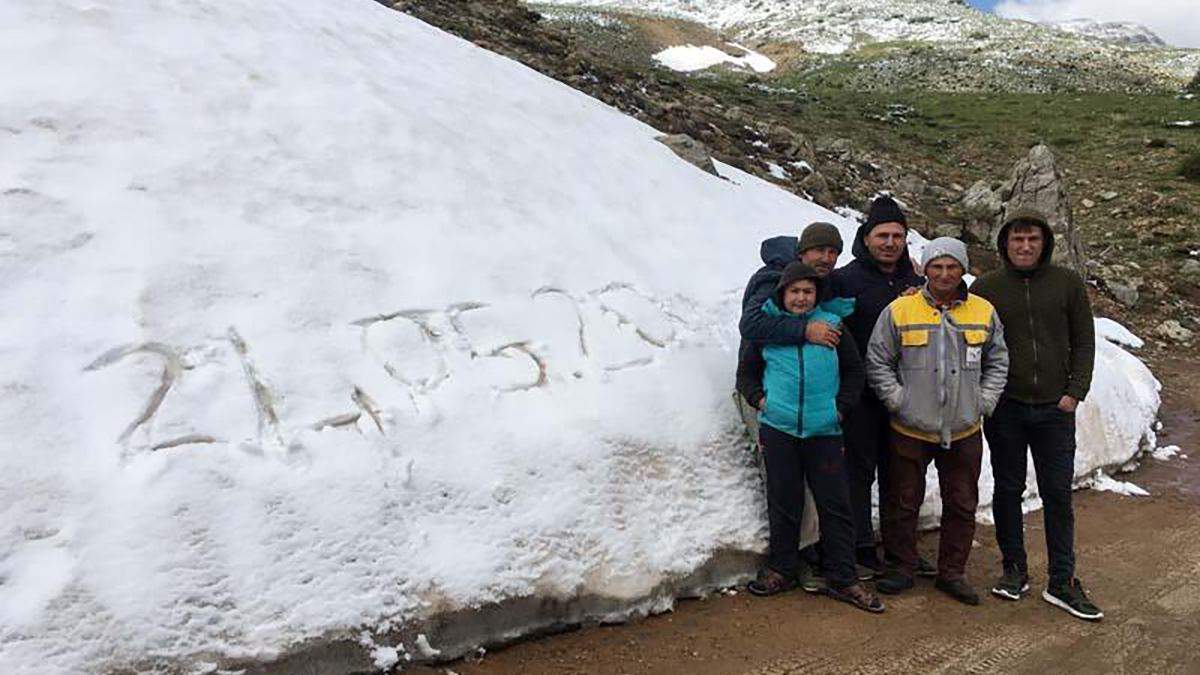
[(1176, 21)]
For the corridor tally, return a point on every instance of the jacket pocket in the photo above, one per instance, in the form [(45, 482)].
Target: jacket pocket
[(914, 349), (972, 355)]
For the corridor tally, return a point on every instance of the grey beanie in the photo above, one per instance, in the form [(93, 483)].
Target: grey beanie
[(944, 247)]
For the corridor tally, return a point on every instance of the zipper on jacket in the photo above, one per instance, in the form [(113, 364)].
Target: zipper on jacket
[(1032, 333), (800, 395)]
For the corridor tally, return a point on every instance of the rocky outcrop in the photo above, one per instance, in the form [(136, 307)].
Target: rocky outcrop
[(691, 151), (1035, 183)]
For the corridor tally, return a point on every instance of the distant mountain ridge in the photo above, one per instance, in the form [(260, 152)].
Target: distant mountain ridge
[(997, 52), (1117, 31)]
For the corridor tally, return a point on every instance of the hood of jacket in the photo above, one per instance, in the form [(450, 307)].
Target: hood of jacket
[(779, 251), (1034, 218), (861, 252)]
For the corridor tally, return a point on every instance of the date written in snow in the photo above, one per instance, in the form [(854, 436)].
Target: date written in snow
[(595, 321)]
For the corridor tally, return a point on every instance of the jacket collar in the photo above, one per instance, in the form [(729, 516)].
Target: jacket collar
[(961, 294)]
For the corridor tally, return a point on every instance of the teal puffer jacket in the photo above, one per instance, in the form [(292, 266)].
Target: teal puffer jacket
[(802, 382)]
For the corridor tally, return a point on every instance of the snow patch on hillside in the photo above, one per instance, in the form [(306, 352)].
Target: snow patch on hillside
[(689, 58)]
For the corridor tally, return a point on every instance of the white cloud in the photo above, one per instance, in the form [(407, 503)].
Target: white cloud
[(1173, 20)]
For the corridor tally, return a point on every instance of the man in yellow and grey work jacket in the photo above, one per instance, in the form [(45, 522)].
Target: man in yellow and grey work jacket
[(938, 362)]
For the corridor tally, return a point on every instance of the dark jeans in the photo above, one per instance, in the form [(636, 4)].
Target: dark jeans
[(1049, 434), (866, 430), (958, 476), (789, 461)]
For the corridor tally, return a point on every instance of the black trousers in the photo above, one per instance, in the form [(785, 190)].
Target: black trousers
[(1049, 435), (867, 431), (790, 461)]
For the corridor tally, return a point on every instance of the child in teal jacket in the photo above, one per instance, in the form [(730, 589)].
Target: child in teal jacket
[(803, 393)]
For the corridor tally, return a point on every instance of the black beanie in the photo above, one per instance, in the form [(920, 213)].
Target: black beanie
[(819, 234), (885, 210), (796, 271)]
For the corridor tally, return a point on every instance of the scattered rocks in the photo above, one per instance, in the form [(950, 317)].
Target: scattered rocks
[(1108, 195), (1087, 203), (1174, 331), (948, 230)]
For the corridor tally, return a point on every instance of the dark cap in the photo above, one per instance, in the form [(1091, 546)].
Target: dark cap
[(820, 234)]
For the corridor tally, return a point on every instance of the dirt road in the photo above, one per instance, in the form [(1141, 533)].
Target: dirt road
[(1139, 558)]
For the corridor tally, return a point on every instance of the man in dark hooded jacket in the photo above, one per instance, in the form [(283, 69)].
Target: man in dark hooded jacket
[(1051, 339), (880, 272)]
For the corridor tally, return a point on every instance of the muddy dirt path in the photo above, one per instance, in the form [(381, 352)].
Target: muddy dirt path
[(1139, 558)]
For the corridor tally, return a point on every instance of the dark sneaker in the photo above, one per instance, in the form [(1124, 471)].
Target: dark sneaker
[(1012, 585), (770, 582), (958, 589), (869, 565), (893, 582), (1070, 597), (925, 568), (857, 595)]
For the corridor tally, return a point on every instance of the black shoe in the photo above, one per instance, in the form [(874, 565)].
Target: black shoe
[(1011, 586), (864, 573), (770, 582), (868, 559), (1070, 597), (893, 582), (958, 589), (925, 568)]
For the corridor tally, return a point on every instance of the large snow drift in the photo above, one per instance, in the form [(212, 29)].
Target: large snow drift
[(319, 320)]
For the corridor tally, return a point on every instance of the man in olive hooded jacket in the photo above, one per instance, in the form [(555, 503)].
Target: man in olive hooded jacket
[(1051, 338)]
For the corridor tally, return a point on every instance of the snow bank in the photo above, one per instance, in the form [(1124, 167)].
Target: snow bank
[(1114, 332), (323, 323), (688, 58)]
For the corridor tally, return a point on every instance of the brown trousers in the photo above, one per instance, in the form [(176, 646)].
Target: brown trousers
[(958, 476)]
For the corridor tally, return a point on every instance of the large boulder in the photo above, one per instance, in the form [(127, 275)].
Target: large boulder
[(981, 205), (1034, 183)]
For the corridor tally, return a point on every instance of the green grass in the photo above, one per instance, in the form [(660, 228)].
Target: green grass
[(1190, 168)]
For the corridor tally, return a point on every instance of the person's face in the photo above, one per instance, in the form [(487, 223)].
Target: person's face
[(1025, 246), (820, 258), (944, 274), (886, 242), (800, 296)]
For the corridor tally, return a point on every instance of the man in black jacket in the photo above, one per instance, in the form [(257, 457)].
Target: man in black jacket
[(1051, 336), (880, 272)]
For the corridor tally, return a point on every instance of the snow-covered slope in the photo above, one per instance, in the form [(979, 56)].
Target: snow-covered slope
[(320, 320)]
